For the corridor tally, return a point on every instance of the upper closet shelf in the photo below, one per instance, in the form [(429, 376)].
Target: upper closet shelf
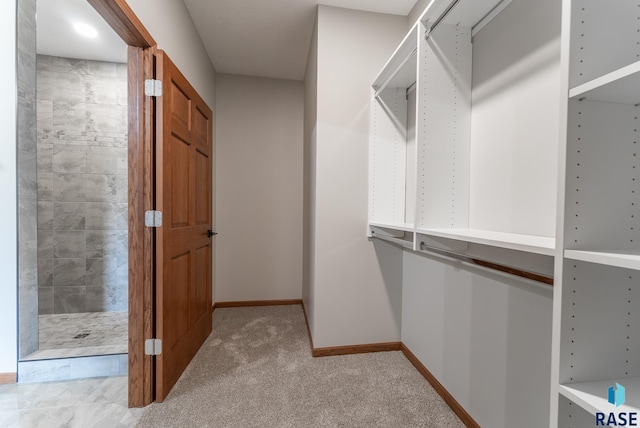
[(592, 396), (471, 14), (623, 259), (513, 241), (620, 86), (401, 69)]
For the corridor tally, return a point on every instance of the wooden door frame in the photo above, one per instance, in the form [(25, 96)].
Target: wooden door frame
[(119, 15)]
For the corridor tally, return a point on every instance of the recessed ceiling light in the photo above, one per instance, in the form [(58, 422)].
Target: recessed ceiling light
[(85, 29)]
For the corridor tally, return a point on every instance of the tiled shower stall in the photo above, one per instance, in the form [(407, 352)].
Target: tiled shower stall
[(81, 185), (72, 213), (79, 177)]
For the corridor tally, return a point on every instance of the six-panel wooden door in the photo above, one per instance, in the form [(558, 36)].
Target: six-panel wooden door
[(183, 242)]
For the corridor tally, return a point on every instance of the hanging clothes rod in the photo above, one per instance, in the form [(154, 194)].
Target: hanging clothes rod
[(411, 88), (487, 264), (398, 241)]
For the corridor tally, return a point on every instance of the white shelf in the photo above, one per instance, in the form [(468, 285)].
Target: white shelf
[(627, 260), (405, 227), (592, 396), (619, 86), (477, 13), (528, 243), (401, 69)]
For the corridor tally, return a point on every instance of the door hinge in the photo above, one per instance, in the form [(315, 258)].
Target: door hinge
[(153, 218), (153, 347), (153, 88)]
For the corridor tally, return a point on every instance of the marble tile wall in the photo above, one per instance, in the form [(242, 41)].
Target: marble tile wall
[(82, 185), (27, 202)]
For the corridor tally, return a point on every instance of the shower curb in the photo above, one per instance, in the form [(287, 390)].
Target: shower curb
[(72, 368)]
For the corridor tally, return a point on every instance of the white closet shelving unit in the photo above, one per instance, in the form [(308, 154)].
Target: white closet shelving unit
[(447, 175), (392, 150), (517, 150), (597, 313)]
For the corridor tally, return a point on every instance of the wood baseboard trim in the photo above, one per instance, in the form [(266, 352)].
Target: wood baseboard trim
[(440, 389), (8, 378), (247, 303), (355, 349), (347, 350)]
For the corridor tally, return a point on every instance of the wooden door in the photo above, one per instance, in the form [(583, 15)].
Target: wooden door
[(183, 245)]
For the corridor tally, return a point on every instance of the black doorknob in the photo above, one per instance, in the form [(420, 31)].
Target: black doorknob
[(211, 233)]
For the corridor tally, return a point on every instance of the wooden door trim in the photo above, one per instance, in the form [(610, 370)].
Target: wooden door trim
[(126, 24), (8, 378), (140, 237)]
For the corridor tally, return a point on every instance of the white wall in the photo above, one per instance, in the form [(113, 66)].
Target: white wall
[(8, 220), (357, 285), (259, 180), (172, 28), (310, 129), (485, 336)]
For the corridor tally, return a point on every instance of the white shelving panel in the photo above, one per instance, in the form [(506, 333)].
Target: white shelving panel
[(399, 234), (602, 199), (600, 343), (603, 38), (599, 313), (392, 143), (608, 258), (444, 102), (400, 69), (572, 414), (480, 178), (387, 157), (512, 241), (515, 121), (491, 156), (493, 147), (469, 14), (620, 86), (439, 56), (592, 396), (405, 227)]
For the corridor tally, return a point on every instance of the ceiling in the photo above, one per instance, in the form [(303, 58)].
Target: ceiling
[(268, 38), (57, 37)]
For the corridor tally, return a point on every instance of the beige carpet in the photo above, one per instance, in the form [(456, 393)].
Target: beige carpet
[(256, 370)]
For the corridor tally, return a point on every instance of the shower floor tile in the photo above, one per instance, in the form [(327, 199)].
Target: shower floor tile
[(83, 334)]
